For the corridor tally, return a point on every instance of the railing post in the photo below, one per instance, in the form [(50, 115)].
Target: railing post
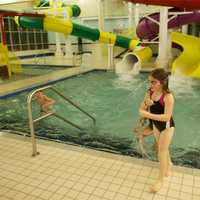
[(33, 138), (31, 121)]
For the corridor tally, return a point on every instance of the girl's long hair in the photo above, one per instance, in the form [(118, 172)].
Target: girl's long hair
[(163, 76)]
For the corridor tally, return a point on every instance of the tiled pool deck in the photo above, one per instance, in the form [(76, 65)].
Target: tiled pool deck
[(66, 172)]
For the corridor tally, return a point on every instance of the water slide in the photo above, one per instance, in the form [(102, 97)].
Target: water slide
[(148, 29), (56, 24), (188, 63), (131, 62)]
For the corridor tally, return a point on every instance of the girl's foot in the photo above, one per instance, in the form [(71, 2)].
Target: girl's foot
[(169, 170), (156, 187), (168, 173)]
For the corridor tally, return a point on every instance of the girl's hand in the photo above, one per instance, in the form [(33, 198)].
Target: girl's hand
[(148, 102), (144, 113)]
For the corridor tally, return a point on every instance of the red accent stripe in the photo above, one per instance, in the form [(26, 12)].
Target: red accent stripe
[(191, 4)]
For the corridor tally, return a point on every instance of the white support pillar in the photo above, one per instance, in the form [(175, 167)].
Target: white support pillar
[(169, 49), (58, 52), (110, 57), (68, 46), (100, 6), (194, 29), (58, 46), (130, 18), (136, 15), (163, 51), (185, 29), (100, 48)]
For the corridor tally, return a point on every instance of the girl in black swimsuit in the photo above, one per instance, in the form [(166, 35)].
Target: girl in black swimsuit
[(158, 107)]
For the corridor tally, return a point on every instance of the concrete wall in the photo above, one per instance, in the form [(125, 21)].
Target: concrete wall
[(16, 5), (112, 7)]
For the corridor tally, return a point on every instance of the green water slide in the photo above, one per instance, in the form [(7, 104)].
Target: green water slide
[(56, 24)]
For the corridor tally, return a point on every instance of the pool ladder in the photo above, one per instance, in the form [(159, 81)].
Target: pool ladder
[(45, 115)]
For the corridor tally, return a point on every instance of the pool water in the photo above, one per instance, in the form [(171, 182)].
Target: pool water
[(114, 102)]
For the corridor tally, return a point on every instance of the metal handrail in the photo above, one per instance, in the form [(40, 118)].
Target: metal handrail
[(32, 121), (67, 121), (75, 105)]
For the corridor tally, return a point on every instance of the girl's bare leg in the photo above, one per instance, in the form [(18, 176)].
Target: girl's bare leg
[(157, 135), (163, 156), (170, 164)]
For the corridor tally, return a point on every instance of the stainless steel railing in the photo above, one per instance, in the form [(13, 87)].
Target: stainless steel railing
[(45, 115)]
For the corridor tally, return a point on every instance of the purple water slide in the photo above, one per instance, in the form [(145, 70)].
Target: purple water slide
[(148, 29)]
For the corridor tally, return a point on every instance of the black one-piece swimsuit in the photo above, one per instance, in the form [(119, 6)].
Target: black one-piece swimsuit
[(158, 108)]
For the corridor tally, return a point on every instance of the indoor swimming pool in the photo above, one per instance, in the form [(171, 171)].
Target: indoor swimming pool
[(113, 101), (33, 70)]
